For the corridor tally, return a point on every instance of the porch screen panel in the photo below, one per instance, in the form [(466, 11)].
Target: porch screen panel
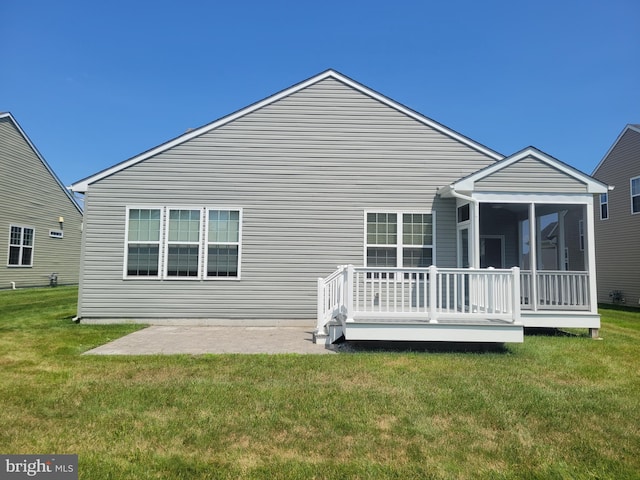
[(143, 242), (183, 243), (223, 243)]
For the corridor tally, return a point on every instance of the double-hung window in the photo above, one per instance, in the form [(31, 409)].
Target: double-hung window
[(223, 243), (399, 239), (635, 195), (20, 246), (183, 243), (143, 242)]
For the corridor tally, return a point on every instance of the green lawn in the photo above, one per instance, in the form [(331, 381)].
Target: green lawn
[(561, 406)]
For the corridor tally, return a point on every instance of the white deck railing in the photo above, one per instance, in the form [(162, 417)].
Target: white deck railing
[(425, 294), (555, 290)]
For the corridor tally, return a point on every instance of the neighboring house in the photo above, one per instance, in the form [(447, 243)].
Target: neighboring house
[(233, 223), (40, 222), (617, 221)]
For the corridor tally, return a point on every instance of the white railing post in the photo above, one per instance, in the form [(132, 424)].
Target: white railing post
[(433, 294), (321, 325), (516, 294), (349, 290)]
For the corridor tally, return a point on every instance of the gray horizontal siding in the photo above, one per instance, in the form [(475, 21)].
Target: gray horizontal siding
[(32, 197), (530, 175), (304, 170), (617, 239)]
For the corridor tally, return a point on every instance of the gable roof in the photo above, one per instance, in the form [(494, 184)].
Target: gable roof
[(466, 184), (83, 184), (630, 126), (10, 117)]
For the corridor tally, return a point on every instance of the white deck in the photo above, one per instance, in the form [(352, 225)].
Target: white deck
[(445, 305)]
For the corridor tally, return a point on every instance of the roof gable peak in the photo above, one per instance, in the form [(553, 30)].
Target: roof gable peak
[(83, 184)]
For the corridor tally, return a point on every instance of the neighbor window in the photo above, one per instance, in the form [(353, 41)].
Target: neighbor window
[(604, 206), (399, 239), (143, 242), (187, 243), (20, 246), (635, 195)]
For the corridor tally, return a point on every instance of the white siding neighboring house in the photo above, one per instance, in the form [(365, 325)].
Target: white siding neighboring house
[(40, 222), (617, 221), (234, 223)]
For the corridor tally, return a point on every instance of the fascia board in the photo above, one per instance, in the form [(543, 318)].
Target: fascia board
[(468, 183)]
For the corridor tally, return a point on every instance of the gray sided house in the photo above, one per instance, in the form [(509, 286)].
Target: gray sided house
[(40, 222), (617, 221), (330, 203)]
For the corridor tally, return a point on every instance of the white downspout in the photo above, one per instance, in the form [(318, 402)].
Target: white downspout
[(475, 226)]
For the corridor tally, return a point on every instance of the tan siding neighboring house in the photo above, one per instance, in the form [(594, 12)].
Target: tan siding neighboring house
[(618, 236), (34, 244)]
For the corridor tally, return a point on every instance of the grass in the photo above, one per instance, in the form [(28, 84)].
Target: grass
[(556, 406)]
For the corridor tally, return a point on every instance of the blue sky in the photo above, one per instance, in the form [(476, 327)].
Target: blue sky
[(95, 83)]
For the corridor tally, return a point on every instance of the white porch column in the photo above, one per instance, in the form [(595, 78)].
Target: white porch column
[(533, 255), (590, 247), (474, 233)]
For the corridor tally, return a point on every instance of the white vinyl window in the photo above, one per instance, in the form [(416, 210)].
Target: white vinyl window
[(20, 246), (143, 242), (399, 239), (604, 206), (223, 243), (183, 243), (635, 195)]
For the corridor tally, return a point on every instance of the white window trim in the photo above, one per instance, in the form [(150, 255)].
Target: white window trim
[(399, 245), (631, 195), (607, 204), (163, 250), (33, 246), (206, 243), (126, 243)]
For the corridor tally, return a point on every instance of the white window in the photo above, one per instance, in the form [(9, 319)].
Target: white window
[(635, 195), (183, 243), (399, 239), (223, 243), (604, 206), (20, 246), (143, 242)]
